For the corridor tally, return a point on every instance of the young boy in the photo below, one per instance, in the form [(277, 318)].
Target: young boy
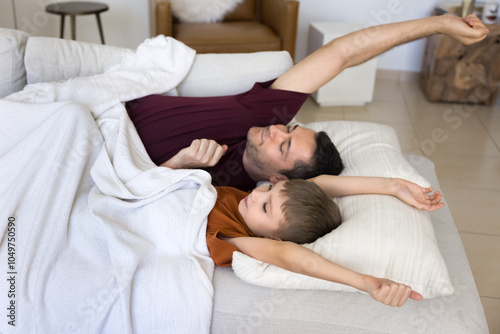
[(269, 223)]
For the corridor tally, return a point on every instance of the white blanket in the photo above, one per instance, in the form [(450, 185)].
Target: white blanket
[(96, 237)]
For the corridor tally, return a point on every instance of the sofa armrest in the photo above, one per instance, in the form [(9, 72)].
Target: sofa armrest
[(164, 19), (282, 17)]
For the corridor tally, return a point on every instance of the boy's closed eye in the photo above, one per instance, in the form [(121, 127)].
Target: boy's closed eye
[(265, 203)]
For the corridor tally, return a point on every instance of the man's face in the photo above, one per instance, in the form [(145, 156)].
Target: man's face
[(276, 147), (261, 210)]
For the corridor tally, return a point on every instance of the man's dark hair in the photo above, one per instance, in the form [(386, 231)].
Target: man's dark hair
[(325, 160)]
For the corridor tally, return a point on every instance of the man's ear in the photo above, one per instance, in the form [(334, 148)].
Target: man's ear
[(275, 179)]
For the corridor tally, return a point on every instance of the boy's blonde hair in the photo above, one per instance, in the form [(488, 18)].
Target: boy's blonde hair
[(308, 212)]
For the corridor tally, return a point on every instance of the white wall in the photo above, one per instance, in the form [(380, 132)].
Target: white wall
[(128, 23), (125, 24), (368, 12), (6, 17)]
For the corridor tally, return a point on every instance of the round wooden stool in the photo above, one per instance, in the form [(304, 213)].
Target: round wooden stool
[(77, 8)]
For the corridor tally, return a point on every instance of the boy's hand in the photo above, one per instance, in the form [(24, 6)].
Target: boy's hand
[(417, 196), (201, 153), (389, 292)]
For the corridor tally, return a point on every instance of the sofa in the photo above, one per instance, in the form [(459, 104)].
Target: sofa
[(41, 64)]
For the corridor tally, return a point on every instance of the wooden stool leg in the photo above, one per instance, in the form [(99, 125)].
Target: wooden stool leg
[(98, 17), (73, 27), (62, 25)]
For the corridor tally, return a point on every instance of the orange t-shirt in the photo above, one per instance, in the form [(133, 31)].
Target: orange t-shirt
[(225, 221)]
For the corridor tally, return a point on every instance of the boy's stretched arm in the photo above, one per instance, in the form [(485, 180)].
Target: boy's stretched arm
[(296, 258), (360, 46), (408, 192)]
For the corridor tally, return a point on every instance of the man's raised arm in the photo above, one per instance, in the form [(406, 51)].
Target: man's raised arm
[(360, 46)]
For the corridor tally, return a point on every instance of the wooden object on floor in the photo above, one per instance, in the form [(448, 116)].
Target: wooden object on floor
[(78, 8), (454, 72)]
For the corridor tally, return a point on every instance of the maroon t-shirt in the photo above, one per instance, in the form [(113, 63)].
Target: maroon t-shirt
[(167, 124)]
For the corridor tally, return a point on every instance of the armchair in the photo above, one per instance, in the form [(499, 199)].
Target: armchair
[(254, 25)]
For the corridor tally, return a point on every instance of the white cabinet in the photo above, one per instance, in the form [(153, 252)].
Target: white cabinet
[(353, 86)]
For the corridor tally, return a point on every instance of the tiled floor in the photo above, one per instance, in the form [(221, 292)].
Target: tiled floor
[(464, 143)]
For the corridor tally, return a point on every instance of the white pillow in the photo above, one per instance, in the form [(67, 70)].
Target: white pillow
[(12, 72), (380, 235)]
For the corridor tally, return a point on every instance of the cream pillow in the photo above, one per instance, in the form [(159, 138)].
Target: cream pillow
[(380, 235)]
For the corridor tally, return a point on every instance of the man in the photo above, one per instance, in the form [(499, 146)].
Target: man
[(246, 137)]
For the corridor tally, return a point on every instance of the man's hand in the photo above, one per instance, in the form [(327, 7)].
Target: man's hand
[(468, 31), (389, 292), (201, 153), (417, 196)]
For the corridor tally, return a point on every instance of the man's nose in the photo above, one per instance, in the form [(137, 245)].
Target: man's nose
[(276, 133)]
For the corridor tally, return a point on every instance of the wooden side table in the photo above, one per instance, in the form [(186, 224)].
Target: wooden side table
[(454, 72), (77, 8)]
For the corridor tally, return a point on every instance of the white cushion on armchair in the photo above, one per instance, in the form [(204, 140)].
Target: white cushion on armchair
[(53, 59)]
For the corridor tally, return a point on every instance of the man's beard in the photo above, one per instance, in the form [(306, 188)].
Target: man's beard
[(255, 156)]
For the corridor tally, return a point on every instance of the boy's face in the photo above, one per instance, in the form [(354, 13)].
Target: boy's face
[(261, 210)]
